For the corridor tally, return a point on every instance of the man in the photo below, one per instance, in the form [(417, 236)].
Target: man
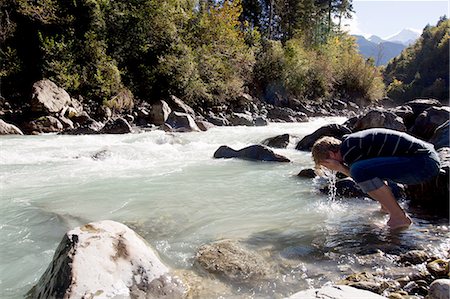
[(374, 155)]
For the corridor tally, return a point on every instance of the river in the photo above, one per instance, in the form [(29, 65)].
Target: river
[(169, 189)]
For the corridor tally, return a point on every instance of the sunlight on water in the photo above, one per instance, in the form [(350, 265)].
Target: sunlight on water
[(169, 189)]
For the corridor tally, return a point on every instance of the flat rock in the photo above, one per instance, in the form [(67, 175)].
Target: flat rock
[(232, 261), (336, 292)]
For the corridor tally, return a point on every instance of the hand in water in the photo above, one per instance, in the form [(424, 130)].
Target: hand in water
[(332, 164)]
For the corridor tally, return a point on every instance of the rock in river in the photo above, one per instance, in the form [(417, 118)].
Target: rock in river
[(252, 152), (106, 259)]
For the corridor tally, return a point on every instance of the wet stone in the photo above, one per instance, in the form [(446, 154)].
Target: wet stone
[(438, 268), (233, 262), (439, 289), (413, 288), (414, 257)]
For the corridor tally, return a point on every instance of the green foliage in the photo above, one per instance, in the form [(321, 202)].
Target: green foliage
[(334, 69), (422, 69), (353, 76), (114, 53)]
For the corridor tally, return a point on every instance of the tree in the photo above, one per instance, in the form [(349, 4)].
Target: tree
[(422, 69)]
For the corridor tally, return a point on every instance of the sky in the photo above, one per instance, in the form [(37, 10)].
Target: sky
[(385, 18)]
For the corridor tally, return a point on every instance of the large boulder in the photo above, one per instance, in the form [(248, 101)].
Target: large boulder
[(335, 292), (44, 124), (88, 127), (252, 152), (308, 173), (241, 119), (9, 129), (420, 105), (379, 119), (178, 105), (116, 126), (48, 98), (427, 122), (406, 113), (204, 125), (279, 114), (106, 259), (182, 122), (434, 194), (232, 262), (334, 130), (159, 113), (441, 136), (280, 141), (217, 120)]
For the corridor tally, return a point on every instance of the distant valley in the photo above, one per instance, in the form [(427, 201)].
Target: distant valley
[(383, 50)]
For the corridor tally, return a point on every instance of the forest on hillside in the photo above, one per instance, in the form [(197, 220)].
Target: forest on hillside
[(422, 70), (207, 52)]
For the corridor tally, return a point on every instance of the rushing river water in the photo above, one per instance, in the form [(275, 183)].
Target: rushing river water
[(169, 189)]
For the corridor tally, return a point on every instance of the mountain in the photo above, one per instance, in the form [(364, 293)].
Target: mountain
[(375, 39), (381, 51), (406, 37)]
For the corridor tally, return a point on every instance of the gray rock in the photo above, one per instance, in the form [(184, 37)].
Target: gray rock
[(204, 125), (48, 98), (307, 173), (335, 292), (9, 129), (44, 124), (108, 260), (280, 141), (333, 130), (420, 105), (67, 123), (261, 121), (181, 122), (241, 119), (379, 119), (252, 152), (178, 105), (159, 113), (232, 262), (279, 114), (116, 126), (439, 289), (427, 122), (218, 120), (406, 113)]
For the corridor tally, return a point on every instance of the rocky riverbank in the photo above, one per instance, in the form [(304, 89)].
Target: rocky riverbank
[(107, 259), (50, 109), (126, 266)]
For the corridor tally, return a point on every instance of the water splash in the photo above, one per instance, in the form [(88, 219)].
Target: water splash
[(332, 190)]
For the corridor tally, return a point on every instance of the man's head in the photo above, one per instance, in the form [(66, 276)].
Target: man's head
[(322, 148)]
